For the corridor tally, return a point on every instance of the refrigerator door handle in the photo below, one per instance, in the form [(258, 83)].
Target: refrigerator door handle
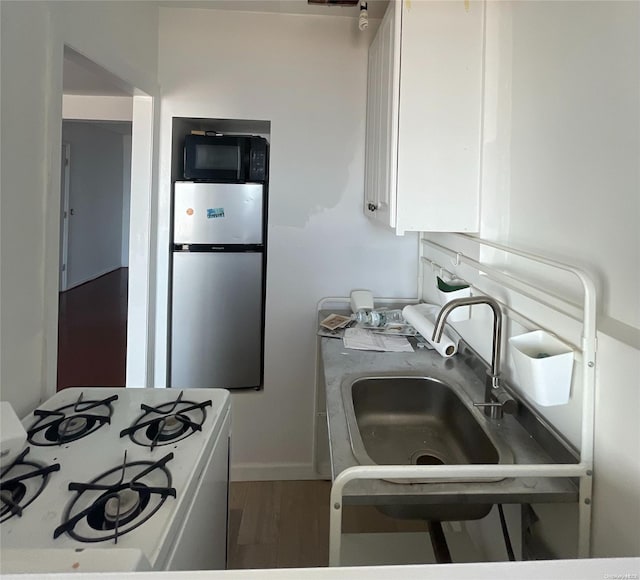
[(210, 248)]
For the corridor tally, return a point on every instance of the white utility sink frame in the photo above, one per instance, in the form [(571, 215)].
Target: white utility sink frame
[(585, 355)]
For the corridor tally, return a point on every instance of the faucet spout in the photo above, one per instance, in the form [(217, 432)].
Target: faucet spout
[(497, 326), (497, 399)]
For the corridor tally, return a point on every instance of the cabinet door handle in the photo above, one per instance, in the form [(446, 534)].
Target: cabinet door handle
[(372, 207)]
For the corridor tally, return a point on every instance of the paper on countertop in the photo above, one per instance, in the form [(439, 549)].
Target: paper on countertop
[(360, 339), (334, 321)]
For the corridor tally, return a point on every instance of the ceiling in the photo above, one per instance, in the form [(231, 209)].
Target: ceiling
[(376, 8), (81, 76)]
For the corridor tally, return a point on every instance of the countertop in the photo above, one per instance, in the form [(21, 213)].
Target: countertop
[(595, 569), (341, 364)]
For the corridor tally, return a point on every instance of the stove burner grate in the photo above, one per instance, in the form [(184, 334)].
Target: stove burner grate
[(70, 422), (167, 423), (117, 501), (28, 481)]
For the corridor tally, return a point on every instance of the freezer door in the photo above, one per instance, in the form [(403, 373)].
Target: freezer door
[(217, 213), (216, 334)]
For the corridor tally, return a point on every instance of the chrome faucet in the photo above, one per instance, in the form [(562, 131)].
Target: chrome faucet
[(496, 400)]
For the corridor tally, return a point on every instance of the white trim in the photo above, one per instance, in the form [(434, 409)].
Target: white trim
[(126, 199), (53, 151), (273, 472), (97, 108), (141, 303), (65, 192)]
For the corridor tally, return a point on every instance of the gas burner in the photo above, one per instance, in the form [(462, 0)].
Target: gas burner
[(21, 483), (167, 423), (117, 501), (70, 422)]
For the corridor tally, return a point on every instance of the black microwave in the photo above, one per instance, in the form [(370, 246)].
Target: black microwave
[(225, 158)]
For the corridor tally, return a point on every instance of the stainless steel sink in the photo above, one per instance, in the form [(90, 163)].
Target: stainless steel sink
[(406, 420)]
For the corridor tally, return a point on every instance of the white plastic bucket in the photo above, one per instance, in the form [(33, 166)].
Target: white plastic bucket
[(544, 366)]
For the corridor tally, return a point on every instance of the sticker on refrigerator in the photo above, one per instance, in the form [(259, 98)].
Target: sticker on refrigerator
[(215, 212)]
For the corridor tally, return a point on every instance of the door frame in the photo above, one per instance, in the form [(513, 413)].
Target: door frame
[(65, 161), (142, 268)]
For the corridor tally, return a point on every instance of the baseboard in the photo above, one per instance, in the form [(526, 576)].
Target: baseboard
[(273, 472)]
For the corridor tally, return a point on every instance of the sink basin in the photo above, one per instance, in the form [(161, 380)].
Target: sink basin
[(404, 420)]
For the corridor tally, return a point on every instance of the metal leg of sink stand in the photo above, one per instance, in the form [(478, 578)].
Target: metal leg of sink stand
[(439, 542), (584, 515), (335, 532)]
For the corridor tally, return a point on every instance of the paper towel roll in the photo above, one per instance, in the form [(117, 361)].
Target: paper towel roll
[(422, 317)]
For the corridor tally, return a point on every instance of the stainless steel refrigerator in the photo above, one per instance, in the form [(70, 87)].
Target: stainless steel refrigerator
[(217, 295)]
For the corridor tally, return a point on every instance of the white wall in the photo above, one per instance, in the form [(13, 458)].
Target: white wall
[(575, 194), (123, 39), (23, 82), (564, 138), (96, 196), (561, 177), (616, 505), (307, 75)]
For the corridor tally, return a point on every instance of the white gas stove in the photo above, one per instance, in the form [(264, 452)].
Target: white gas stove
[(134, 471)]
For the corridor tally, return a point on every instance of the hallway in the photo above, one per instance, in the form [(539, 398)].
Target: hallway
[(92, 333)]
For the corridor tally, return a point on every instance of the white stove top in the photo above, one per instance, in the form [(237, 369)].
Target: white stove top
[(85, 561), (103, 450)]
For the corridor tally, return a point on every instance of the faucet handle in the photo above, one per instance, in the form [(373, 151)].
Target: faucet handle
[(505, 400), (487, 405), (493, 410), (508, 405)]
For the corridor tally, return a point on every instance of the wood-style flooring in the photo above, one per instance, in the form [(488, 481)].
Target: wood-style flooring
[(285, 524), (92, 333)]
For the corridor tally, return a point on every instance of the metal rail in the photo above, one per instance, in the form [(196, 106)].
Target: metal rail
[(582, 470), (424, 472)]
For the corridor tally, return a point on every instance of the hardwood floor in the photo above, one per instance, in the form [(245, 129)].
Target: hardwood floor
[(285, 524), (92, 333)]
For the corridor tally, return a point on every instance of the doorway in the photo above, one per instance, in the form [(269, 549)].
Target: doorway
[(94, 227)]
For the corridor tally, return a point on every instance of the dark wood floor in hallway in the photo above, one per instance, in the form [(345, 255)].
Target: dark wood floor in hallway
[(92, 333)]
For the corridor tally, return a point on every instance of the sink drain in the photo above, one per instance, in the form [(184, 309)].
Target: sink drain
[(425, 458)]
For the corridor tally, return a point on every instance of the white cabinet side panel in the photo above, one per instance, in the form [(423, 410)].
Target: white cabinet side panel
[(382, 123)]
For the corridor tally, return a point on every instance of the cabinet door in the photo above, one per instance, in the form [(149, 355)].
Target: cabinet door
[(382, 121), (440, 116)]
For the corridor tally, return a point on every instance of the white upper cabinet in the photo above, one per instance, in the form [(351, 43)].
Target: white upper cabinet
[(424, 116)]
